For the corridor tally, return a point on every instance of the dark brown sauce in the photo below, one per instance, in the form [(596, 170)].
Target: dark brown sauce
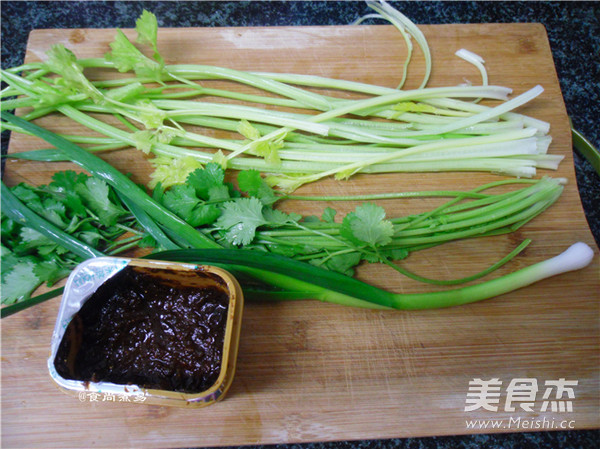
[(139, 329)]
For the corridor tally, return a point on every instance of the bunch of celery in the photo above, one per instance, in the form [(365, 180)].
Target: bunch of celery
[(386, 130)]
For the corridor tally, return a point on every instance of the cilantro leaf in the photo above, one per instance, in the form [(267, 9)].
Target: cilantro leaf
[(241, 218), (51, 270), (204, 179), (251, 182), (64, 183), (182, 200), (204, 215), (328, 215), (367, 224), (96, 195), (219, 193), (18, 282), (92, 238), (276, 217), (30, 240), (343, 263), (55, 212), (28, 196)]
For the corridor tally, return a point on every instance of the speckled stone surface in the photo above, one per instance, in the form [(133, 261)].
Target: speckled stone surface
[(574, 34)]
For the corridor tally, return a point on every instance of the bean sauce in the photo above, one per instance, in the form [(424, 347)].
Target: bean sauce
[(138, 329)]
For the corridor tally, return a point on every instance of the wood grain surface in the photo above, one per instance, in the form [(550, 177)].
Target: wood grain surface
[(309, 371)]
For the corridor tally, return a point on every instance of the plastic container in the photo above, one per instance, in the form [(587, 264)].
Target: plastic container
[(90, 275)]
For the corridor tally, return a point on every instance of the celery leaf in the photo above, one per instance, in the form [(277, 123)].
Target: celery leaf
[(63, 62), (147, 28), (125, 56)]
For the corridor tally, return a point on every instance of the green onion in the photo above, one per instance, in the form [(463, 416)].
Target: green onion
[(14, 308), (298, 280)]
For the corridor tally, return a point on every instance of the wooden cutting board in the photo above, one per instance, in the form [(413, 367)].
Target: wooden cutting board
[(316, 372)]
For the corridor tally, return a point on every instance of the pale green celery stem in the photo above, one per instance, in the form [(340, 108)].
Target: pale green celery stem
[(117, 133), (519, 147), (213, 72), (453, 143), (507, 166), (494, 92), (423, 93), (285, 166), (208, 92), (547, 161), (543, 127), (543, 144), (242, 112), (173, 151), (576, 257), (400, 21), (414, 122), (290, 121), (480, 128), (128, 138), (446, 103), (384, 196), (358, 105), (39, 67), (476, 60), (24, 102), (27, 88), (326, 83), (205, 157), (407, 41), (347, 128)]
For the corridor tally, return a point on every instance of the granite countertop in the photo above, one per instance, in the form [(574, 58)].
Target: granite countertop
[(574, 39)]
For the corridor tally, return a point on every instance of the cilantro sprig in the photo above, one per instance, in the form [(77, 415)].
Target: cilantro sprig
[(247, 217)]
